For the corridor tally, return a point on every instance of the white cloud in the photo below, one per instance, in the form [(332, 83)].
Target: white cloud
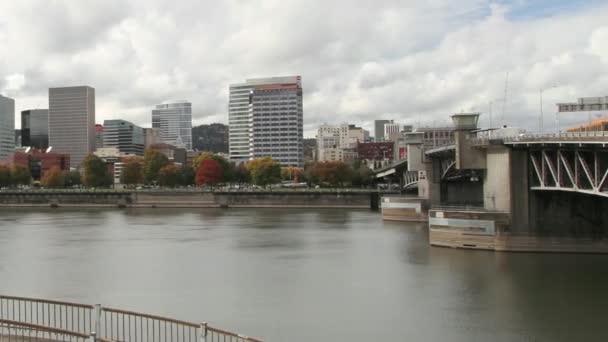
[(413, 61)]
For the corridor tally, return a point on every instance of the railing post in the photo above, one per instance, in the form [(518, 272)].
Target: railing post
[(93, 337), (203, 332), (97, 319)]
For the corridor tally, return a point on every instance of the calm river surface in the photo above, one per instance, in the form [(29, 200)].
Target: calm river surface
[(301, 275)]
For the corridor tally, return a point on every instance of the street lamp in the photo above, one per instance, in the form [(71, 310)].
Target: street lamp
[(490, 109), (541, 123)]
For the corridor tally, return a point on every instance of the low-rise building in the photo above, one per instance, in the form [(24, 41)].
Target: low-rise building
[(377, 154), (39, 162)]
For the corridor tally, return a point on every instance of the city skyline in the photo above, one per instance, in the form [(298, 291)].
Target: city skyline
[(384, 71)]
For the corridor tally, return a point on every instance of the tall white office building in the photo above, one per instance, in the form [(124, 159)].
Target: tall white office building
[(266, 120), (174, 123), (72, 122), (7, 127)]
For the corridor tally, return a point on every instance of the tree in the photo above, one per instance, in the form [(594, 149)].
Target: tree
[(227, 167), (20, 175), (53, 178), (132, 171), (5, 176), (209, 172), (168, 175), (72, 178), (334, 173), (95, 172), (187, 176), (290, 173), (241, 174), (153, 162), (264, 171), (362, 176)]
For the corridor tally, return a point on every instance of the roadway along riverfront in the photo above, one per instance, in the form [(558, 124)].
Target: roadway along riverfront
[(300, 275)]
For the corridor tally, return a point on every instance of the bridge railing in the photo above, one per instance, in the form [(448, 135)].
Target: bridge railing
[(565, 136), (55, 320)]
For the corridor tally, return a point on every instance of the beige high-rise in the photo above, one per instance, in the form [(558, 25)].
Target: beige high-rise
[(72, 122)]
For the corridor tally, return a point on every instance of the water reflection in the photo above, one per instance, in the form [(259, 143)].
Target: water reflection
[(301, 275)]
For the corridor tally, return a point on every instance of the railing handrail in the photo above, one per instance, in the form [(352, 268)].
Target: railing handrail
[(10, 324), (47, 301), (228, 333), (143, 315)]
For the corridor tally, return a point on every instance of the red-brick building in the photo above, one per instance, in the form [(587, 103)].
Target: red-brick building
[(376, 154), (38, 162)]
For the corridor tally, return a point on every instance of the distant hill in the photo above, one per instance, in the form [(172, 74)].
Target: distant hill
[(213, 138)]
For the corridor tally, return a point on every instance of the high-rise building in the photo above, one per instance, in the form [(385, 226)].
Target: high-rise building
[(379, 129), (151, 137), (17, 138), (392, 131), (72, 122), (174, 121), (98, 136), (127, 137), (7, 127), (35, 128), (266, 120)]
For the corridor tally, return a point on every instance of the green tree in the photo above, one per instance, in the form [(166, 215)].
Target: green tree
[(264, 171), (187, 175), (72, 178), (53, 178), (362, 176), (20, 175), (5, 176), (153, 162), (95, 172), (169, 176), (241, 173), (132, 171)]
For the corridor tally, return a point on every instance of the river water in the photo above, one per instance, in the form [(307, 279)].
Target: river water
[(301, 275)]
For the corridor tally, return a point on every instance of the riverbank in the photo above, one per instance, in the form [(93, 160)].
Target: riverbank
[(338, 199)]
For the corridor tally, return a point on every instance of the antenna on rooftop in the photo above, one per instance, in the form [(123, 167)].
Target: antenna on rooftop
[(504, 102)]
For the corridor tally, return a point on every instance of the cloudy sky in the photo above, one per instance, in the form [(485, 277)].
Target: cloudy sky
[(413, 61)]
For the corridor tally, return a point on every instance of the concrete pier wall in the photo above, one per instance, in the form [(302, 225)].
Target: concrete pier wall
[(287, 199)]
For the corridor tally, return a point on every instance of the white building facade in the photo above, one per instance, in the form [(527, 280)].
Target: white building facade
[(266, 120), (174, 123)]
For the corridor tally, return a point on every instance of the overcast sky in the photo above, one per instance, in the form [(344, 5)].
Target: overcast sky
[(412, 61)]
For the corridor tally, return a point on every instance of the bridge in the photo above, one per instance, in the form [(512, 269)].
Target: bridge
[(503, 189), (32, 319)]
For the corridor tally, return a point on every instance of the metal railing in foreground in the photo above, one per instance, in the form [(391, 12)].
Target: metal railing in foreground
[(20, 331), (41, 319)]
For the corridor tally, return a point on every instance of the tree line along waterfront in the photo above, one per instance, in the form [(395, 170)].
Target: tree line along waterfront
[(155, 169)]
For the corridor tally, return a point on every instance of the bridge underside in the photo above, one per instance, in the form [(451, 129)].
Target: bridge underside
[(570, 169), (569, 214)]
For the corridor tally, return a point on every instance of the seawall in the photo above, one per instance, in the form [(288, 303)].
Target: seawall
[(192, 199)]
